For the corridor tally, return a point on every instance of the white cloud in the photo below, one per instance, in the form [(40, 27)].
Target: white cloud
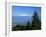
[(23, 15)]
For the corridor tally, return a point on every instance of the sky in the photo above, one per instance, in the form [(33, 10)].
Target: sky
[(25, 10), (22, 11)]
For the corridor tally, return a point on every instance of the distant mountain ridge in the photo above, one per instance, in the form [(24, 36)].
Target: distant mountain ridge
[(21, 19)]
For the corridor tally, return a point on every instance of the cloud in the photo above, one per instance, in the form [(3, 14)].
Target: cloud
[(23, 15)]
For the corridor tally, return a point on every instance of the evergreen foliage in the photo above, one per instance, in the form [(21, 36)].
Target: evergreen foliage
[(36, 24)]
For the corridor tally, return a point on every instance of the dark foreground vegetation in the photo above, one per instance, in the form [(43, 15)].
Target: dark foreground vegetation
[(35, 25)]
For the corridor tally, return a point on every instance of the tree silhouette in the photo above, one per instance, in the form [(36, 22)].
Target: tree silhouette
[(36, 24), (28, 25)]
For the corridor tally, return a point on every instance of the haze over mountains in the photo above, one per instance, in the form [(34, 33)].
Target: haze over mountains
[(21, 19)]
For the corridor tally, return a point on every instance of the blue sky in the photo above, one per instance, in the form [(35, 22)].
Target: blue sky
[(25, 10)]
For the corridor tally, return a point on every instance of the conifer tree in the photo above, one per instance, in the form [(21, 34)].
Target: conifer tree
[(36, 24), (28, 25)]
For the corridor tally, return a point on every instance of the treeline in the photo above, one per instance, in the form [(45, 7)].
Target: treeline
[(35, 25)]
